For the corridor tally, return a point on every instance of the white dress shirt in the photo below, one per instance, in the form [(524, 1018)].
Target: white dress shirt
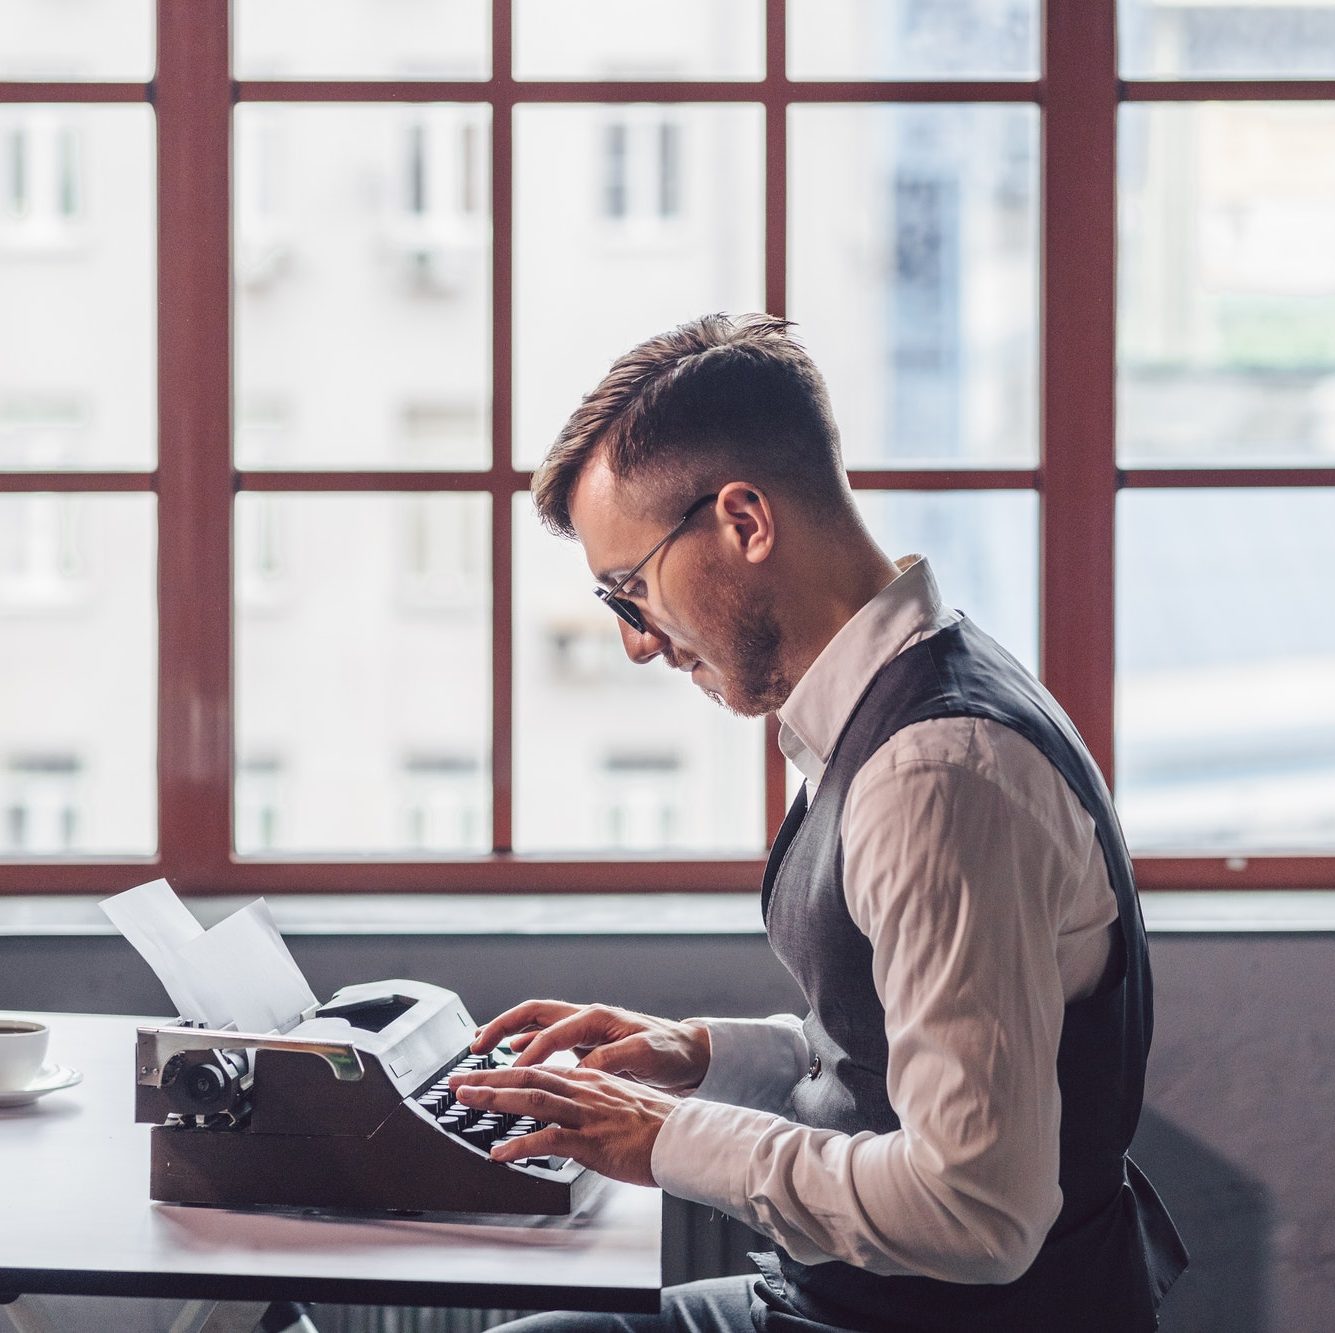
[(976, 875)]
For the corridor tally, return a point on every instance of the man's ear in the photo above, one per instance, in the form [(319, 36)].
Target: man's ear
[(746, 513)]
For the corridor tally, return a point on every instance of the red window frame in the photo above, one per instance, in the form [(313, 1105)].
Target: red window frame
[(1077, 479)]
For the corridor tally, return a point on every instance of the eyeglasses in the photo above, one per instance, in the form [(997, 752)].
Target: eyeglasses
[(626, 609)]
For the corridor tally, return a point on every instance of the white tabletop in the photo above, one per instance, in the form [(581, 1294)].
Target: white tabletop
[(76, 1218)]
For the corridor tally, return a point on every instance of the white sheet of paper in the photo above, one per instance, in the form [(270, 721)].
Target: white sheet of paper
[(238, 971), (245, 974), (159, 925)]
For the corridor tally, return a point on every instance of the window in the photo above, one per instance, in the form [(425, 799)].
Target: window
[(41, 430), (642, 799), (41, 560), (382, 298), (41, 804), (437, 222), (642, 169), (41, 184), (260, 554), (262, 251), (442, 561), (282, 346), (259, 804), (442, 803)]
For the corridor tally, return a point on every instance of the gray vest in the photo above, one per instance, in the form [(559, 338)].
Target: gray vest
[(1113, 1251)]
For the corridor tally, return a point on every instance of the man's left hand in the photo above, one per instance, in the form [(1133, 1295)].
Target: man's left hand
[(604, 1122)]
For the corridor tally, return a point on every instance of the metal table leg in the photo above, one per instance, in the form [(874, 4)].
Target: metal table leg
[(240, 1317), (26, 1315)]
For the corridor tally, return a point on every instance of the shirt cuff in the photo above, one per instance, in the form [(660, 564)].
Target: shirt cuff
[(702, 1153), (754, 1061)]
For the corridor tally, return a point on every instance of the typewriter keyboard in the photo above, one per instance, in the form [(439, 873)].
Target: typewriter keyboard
[(480, 1128)]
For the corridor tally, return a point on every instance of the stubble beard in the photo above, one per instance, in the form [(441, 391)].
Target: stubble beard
[(755, 683)]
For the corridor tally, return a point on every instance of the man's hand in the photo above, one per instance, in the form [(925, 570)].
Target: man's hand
[(600, 1120), (656, 1051)]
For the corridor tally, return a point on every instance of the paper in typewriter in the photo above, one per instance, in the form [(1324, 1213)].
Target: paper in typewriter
[(237, 973)]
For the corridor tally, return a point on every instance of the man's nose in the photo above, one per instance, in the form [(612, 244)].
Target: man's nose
[(641, 648)]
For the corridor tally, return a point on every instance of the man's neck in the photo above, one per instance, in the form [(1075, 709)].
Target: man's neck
[(832, 593)]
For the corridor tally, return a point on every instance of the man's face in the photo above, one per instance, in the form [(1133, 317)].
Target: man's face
[(705, 608)]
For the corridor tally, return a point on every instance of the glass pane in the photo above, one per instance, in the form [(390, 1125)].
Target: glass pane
[(1226, 670), (78, 675), (93, 39), (363, 673), (639, 39), (610, 757), (913, 276), (361, 39), (629, 220), (363, 286), (912, 39), (983, 549), (1226, 342), (79, 287), (1260, 39)]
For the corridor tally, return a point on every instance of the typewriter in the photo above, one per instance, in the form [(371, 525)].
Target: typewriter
[(348, 1109)]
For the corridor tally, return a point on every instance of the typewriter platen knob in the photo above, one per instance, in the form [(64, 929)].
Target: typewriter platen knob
[(205, 1082)]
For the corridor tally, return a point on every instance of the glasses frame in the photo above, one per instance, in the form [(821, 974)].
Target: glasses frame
[(623, 607)]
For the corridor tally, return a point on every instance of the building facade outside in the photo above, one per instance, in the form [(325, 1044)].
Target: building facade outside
[(362, 316)]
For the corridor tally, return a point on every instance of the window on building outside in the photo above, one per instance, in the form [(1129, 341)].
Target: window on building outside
[(42, 805), (641, 804), (642, 168), (259, 812), (41, 185), (441, 803), (41, 556), (438, 222)]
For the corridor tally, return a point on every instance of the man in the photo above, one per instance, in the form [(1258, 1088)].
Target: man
[(941, 1144)]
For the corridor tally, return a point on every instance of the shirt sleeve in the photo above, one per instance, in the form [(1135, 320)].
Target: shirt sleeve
[(956, 885), (754, 1061)]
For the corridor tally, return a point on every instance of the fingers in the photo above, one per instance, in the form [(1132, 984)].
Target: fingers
[(532, 1014), (541, 1142), (599, 1120), (539, 1093), (623, 1057), (589, 1026)]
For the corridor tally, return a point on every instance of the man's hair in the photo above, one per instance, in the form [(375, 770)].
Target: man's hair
[(712, 401)]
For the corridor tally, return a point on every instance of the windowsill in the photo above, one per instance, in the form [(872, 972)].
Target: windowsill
[(1166, 913)]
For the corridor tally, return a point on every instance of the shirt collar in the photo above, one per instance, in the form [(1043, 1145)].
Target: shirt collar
[(907, 609)]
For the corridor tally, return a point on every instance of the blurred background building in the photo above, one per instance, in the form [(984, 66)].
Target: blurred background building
[(362, 317)]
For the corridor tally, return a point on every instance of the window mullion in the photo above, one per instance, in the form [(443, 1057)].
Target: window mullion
[(502, 430), (776, 302), (1079, 297), (192, 95)]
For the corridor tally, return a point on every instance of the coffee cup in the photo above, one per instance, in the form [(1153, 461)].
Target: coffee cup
[(22, 1050)]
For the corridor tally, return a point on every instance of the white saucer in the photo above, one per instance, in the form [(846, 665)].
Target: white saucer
[(51, 1078)]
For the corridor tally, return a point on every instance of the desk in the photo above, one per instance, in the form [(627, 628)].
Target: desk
[(75, 1219)]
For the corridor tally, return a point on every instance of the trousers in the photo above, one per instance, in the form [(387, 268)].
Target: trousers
[(715, 1305)]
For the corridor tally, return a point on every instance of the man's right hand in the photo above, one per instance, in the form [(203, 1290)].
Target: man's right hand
[(657, 1051)]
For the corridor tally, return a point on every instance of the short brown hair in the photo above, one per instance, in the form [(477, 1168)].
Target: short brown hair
[(711, 401)]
